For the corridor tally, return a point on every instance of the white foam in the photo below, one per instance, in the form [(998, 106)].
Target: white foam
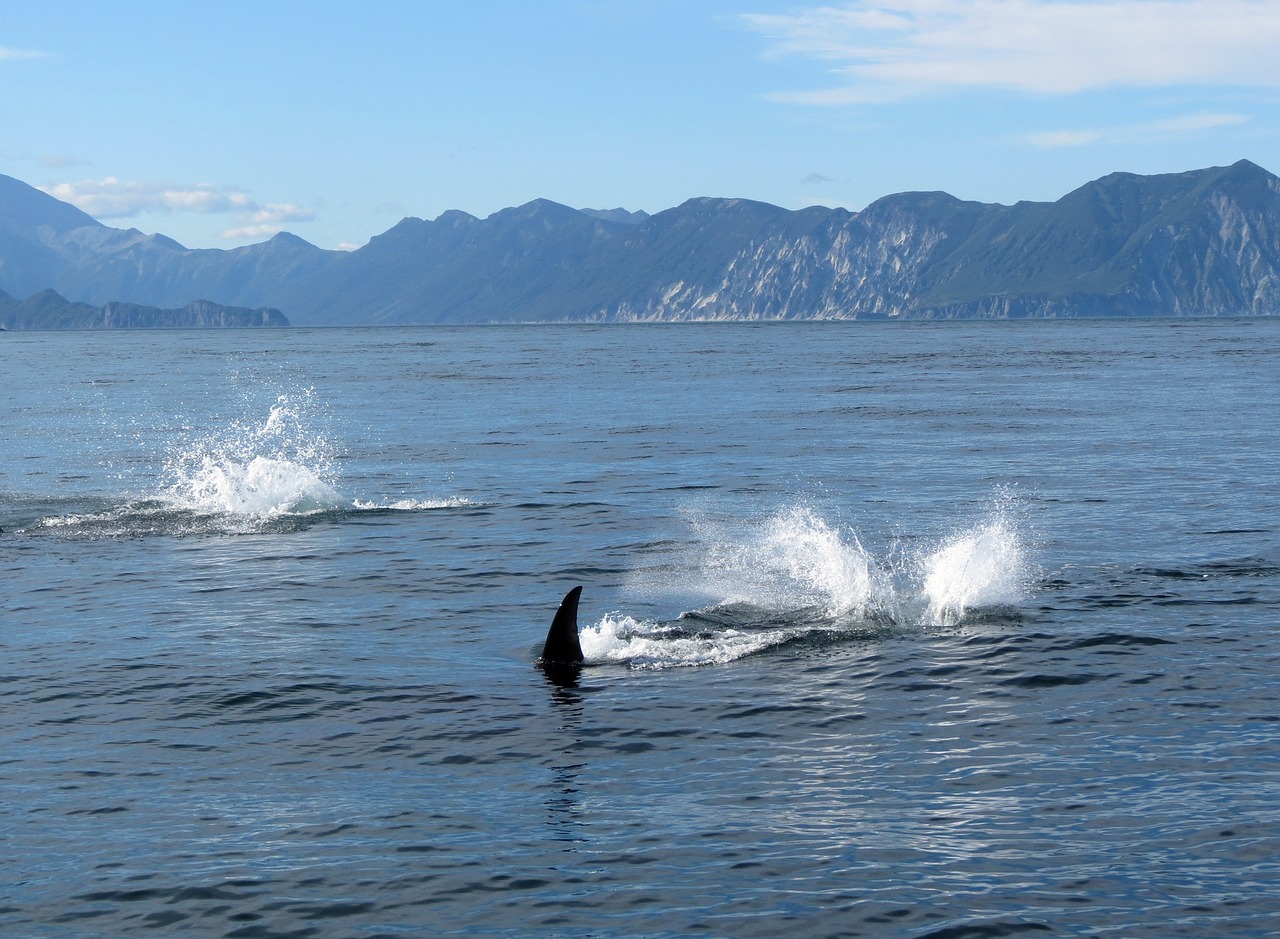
[(70, 521), (262, 486), (620, 639), (414, 505)]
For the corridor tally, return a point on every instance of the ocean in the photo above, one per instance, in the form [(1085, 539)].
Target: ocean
[(891, 629)]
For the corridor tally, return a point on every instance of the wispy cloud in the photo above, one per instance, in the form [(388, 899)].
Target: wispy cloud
[(62, 162), (1056, 139), (885, 50), (8, 55), (1147, 131), (109, 198)]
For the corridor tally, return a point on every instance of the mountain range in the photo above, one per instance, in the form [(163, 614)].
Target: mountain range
[(1205, 242)]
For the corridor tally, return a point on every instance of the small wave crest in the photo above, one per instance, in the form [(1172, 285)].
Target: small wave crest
[(413, 505)]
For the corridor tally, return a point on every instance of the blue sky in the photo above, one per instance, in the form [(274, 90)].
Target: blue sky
[(219, 124)]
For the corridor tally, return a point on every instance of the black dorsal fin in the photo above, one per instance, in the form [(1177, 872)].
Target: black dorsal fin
[(562, 646)]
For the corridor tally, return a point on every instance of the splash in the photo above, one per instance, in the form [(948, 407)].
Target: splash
[(281, 467), (262, 486), (792, 559), (794, 575), (273, 475), (983, 567)]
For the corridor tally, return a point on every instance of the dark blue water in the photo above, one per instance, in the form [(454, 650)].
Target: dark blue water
[(892, 630)]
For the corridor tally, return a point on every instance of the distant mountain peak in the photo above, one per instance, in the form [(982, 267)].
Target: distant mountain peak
[(1248, 166), (617, 215), (456, 217), (543, 210), (1244, 173), (283, 244), (289, 238)]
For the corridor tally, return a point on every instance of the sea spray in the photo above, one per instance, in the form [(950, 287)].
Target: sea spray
[(793, 574), (981, 567), (281, 466), (791, 559), (246, 476)]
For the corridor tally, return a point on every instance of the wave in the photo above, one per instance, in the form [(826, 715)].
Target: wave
[(150, 518), (795, 576)]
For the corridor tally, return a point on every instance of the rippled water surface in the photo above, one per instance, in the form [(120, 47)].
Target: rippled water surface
[(932, 630)]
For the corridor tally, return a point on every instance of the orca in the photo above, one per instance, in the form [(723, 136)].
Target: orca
[(562, 648)]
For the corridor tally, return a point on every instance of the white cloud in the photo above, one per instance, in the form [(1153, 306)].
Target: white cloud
[(1147, 131), (109, 198), (274, 212), (270, 220), (253, 232), (883, 50)]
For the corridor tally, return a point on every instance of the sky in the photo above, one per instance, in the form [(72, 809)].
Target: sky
[(221, 124)]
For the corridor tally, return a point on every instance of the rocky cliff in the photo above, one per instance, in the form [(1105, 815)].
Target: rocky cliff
[(49, 310)]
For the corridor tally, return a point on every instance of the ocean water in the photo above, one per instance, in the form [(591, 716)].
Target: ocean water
[(923, 630)]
